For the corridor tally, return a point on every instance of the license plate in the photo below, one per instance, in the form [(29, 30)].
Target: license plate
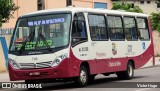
[(34, 74)]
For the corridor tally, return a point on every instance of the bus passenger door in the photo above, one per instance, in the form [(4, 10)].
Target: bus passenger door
[(99, 37), (79, 40)]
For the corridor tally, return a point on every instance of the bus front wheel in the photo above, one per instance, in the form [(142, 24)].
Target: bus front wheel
[(82, 79), (128, 73)]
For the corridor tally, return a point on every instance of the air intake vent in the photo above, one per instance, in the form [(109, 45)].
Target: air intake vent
[(44, 64), (35, 65)]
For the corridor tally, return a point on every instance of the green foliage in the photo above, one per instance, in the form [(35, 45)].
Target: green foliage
[(0, 19), (7, 9), (137, 9), (155, 21), (158, 28), (126, 6)]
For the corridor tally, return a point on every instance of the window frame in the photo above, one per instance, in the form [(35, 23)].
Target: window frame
[(106, 26), (85, 24), (146, 20), (44, 51), (158, 5), (127, 28), (133, 5), (115, 27), (40, 5), (101, 4), (142, 2), (148, 2)]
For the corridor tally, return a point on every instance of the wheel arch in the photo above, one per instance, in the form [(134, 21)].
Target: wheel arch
[(86, 64), (132, 61)]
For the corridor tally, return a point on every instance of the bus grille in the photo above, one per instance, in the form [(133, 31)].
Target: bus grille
[(35, 65)]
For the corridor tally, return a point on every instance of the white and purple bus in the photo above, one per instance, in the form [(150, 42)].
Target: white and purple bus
[(79, 43)]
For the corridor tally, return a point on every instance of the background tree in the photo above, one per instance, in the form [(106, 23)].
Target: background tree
[(155, 19), (0, 20), (127, 7), (7, 9)]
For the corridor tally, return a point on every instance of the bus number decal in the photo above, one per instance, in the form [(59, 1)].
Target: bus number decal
[(83, 49)]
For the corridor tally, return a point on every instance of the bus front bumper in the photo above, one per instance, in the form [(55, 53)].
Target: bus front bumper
[(64, 70)]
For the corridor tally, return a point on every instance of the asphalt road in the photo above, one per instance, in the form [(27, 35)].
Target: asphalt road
[(146, 76)]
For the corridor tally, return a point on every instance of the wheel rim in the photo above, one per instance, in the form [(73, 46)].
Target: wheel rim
[(130, 70), (83, 76)]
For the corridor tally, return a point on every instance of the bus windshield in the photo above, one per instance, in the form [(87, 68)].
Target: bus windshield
[(41, 32)]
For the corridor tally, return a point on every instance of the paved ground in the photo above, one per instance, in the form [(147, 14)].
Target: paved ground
[(106, 83), (111, 83)]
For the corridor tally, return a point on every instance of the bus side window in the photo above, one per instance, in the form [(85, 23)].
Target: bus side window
[(115, 27), (130, 28), (98, 29), (143, 28), (79, 33)]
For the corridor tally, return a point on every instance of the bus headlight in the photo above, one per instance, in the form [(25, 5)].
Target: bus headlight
[(58, 60), (14, 64)]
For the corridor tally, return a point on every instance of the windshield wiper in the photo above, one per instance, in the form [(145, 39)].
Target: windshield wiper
[(29, 38), (44, 40)]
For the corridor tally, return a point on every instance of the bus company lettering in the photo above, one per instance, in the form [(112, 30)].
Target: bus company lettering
[(100, 54), (31, 45), (112, 64), (48, 21)]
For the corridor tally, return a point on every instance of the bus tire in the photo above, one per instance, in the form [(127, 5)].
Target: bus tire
[(91, 78), (128, 74), (82, 79)]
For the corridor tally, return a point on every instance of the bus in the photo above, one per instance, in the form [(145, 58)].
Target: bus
[(76, 44)]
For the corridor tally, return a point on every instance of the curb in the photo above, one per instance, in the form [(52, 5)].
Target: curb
[(158, 65)]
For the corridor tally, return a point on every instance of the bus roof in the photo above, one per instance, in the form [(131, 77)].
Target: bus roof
[(78, 9)]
